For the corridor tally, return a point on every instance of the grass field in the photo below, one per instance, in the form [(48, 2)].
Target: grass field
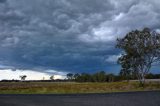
[(72, 87)]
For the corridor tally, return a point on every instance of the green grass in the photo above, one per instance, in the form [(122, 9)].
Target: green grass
[(72, 87)]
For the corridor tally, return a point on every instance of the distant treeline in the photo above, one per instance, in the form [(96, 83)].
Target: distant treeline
[(103, 77), (56, 80), (96, 77)]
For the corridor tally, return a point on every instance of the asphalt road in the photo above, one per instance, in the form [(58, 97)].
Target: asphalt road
[(111, 99)]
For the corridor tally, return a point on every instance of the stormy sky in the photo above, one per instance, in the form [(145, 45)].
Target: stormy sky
[(60, 36)]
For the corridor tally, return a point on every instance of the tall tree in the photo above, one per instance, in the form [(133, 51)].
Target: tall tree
[(99, 76), (70, 76), (23, 77), (141, 50), (76, 76), (52, 77)]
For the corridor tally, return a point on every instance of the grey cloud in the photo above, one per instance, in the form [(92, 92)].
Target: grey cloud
[(69, 35), (3, 1)]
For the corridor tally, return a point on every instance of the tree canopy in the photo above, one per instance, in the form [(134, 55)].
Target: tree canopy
[(23, 77), (141, 49)]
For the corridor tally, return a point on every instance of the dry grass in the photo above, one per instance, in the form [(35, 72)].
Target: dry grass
[(72, 87)]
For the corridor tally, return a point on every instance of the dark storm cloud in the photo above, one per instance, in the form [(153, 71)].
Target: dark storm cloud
[(69, 35), (3, 1)]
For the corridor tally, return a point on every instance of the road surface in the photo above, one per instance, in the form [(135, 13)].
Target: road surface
[(108, 99)]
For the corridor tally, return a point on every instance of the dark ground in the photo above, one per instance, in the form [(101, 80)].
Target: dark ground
[(151, 98)]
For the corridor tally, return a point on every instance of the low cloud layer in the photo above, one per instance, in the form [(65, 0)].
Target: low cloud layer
[(69, 35), (8, 74)]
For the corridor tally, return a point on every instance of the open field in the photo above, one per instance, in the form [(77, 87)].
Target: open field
[(73, 87)]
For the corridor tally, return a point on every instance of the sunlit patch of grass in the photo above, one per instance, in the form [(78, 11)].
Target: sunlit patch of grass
[(73, 87)]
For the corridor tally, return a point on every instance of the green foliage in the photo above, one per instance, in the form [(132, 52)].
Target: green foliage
[(52, 77), (70, 76), (103, 77), (141, 50), (152, 76), (97, 77), (23, 77)]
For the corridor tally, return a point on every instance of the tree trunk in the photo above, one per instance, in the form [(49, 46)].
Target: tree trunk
[(141, 80)]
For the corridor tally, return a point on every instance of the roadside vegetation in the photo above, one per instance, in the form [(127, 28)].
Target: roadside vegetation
[(101, 76), (99, 82), (73, 87)]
